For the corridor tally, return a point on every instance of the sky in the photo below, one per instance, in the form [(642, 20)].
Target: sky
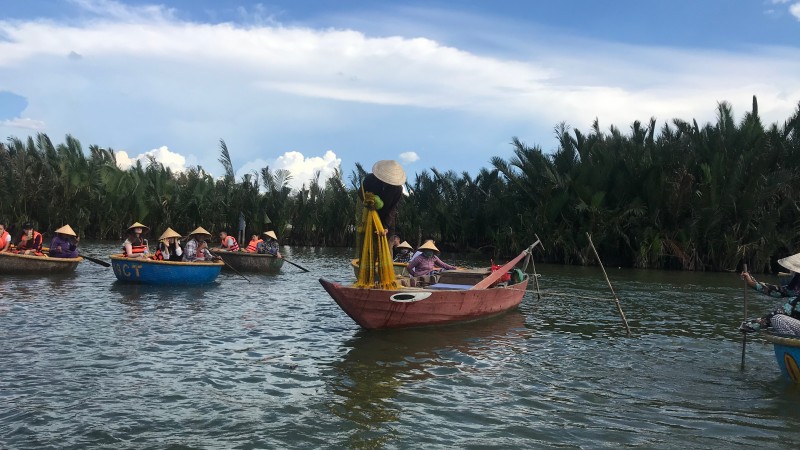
[(312, 85)]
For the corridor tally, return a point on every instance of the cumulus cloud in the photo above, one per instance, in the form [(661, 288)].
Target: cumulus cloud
[(303, 169), (409, 157), (795, 10), (172, 160)]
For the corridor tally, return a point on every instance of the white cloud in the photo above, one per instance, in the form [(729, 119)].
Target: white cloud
[(172, 160), (302, 168), (408, 157), (795, 10), (29, 124)]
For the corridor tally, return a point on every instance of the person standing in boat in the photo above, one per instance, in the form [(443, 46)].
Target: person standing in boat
[(403, 252), (227, 243), (169, 249), (135, 246), (64, 243), (427, 263), (5, 238), (196, 247), (385, 182), (30, 242), (270, 246), (785, 319)]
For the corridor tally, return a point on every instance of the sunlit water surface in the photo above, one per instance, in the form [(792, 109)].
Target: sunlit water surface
[(86, 362)]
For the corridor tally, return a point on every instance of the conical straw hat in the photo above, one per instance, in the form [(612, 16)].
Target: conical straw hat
[(791, 262), (271, 234), (170, 233), (138, 225), (428, 245), (200, 230), (389, 172), (66, 229), (405, 244)]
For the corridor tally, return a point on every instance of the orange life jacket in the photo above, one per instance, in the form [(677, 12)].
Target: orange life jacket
[(135, 249), (233, 247), (31, 244), (252, 247)]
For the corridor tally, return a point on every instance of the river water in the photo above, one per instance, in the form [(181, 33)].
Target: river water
[(86, 362)]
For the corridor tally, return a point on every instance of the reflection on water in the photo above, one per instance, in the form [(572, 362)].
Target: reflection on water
[(87, 362), (379, 364)]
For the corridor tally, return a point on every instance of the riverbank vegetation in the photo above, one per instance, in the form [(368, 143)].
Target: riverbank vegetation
[(680, 195)]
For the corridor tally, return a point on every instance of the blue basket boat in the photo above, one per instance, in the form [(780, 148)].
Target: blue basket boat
[(787, 352), (148, 271)]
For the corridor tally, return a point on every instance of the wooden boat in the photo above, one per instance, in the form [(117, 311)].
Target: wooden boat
[(787, 353), (399, 268), (12, 263), (148, 271), (251, 262), (430, 302)]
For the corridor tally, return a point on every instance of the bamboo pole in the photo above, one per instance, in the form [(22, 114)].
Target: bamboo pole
[(616, 299), (744, 335)]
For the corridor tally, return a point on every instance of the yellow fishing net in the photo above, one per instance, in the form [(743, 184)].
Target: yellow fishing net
[(376, 269)]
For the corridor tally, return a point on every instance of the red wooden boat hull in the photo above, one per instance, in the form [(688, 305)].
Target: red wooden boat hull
[(414, 307)]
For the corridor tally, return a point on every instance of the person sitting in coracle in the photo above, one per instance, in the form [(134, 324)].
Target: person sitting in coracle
[(5, 238), (270, 246), (427, 263), (64, 243), (135, 246), (785, 319), (403, 252), (252, 246), (169, 248), (196, 247), (30, 242), (227, 243)]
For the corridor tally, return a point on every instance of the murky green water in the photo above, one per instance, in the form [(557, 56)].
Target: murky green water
[(88, 363)]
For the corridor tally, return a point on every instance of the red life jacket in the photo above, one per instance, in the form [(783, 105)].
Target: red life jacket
[(158, 256), (233, 247), (3, 238), (252, 247)]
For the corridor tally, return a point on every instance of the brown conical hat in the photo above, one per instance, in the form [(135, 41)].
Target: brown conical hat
[(200, 230), (405, 244), (270, 234), (390, 172), (170, 233), (138, 225), (428, 245), (66, 229), (791, 262)]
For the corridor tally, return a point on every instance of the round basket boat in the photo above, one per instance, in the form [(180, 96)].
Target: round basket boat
[(12, 263), (148, 271), (787, 353)]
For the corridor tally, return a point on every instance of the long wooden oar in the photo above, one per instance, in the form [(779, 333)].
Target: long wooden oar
[(616, 300), (744, 335), (296, 265), (231, 267), (96, 261)]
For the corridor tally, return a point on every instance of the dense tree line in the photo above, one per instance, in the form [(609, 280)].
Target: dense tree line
[(681, 196)]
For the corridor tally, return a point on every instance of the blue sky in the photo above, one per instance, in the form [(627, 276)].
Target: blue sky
[(309, 84)]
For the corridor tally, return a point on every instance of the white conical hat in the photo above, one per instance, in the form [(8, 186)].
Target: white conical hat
[(138, 225), (66, 229), (200, 230), (428, 245), (170, 233), (270, 234), (791, 262), (405, 244), (390, 172)]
